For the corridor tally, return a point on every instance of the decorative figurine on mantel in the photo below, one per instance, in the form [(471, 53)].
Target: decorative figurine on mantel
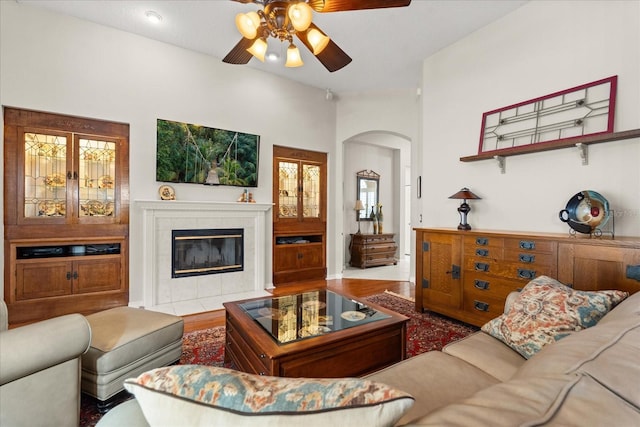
[(246, 197)]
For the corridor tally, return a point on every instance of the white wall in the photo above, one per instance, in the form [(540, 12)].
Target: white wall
[(56, 63), (541, 48)]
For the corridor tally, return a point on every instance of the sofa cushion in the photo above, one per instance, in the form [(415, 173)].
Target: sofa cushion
[(565, 400), (487, 353), (546, 311), (435, 379), (607, 352), (204, 395)]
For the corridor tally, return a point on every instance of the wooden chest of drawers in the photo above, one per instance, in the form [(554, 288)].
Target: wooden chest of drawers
[(368, 250), (467, 275)]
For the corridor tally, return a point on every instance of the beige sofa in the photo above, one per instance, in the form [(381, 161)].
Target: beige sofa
[(591, 377), (40, 371)]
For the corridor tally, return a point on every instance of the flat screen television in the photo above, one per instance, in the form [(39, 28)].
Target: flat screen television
[(188, 153)]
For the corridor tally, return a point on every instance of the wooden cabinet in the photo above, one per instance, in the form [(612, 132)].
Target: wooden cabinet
[(467, 275), (299, 218), (71, 181), (600, 265), (369, 250), (440, 255)]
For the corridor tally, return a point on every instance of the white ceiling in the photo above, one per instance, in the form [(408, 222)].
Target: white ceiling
[(387, 45)]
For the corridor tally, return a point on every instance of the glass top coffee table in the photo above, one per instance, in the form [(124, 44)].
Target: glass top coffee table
[(318, 333)]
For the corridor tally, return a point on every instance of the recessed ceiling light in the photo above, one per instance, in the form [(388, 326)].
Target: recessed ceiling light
[(153, 16)]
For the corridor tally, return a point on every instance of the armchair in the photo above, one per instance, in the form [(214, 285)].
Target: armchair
[(40, 370)]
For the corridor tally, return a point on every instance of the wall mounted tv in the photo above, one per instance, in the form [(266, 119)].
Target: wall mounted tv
[(201, 155)]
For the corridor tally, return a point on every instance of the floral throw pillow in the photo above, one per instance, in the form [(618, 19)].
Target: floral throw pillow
[(546, 311), (206, 395)]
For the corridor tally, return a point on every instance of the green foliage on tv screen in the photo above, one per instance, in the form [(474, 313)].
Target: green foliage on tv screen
[(202, 155)]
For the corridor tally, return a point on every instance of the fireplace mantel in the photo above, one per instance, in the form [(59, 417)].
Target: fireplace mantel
[(160, 217), (173, 205)]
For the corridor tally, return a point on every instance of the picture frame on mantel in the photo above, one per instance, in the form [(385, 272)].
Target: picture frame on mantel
[(580, 111)]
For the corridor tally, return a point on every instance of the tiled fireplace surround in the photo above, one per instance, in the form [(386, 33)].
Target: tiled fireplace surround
[(196, 294)]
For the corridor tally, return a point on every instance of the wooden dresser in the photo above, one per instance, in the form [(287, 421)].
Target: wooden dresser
[(467, 275), (368, 250)]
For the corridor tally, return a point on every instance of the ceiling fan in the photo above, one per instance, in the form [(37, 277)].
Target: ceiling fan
[(282, 19)]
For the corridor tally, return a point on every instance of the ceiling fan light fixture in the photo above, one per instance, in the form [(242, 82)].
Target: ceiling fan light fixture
[(258, 49), (293, 57), (248, 24), (318, 40), (300, 15)]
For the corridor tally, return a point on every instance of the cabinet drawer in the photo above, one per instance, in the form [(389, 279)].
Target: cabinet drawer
[(483, 252), (483, 306), (529, 258), (247, 352), (483, 242), (508, 270), (530, 245), (486, 285)]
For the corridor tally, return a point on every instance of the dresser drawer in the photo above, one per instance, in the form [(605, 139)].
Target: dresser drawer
[(380, 247)]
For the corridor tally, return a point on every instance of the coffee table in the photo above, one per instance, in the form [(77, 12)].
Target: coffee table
[(318, 334)]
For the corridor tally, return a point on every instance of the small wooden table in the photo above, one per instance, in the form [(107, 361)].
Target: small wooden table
[(318, 334)]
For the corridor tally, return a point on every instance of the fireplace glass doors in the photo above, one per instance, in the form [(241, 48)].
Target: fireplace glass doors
[(206, 251)]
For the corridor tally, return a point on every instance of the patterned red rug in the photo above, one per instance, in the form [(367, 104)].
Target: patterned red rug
[(425, 332)]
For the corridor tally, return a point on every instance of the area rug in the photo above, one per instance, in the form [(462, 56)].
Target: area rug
[(425, 332)]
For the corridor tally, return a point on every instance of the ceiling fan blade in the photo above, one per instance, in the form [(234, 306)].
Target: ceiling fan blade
[(332, 57), (244, 1), (239, 54), (323, 6)]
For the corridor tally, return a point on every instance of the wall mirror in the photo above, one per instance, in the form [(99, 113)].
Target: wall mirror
[(367, 192)]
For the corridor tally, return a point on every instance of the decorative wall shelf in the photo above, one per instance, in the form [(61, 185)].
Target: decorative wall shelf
[(581, 142)]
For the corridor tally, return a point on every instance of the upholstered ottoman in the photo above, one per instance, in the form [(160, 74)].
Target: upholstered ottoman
[(126, 342)]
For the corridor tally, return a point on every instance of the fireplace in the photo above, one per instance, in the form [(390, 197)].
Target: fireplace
[(187, 295), (206, 251)]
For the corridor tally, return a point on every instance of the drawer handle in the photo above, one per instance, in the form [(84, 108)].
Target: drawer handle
[(526, 274), (526, 244), (481, 266), (527, 258), (481, 306), (482, 252), (482, 241), (481, 284)]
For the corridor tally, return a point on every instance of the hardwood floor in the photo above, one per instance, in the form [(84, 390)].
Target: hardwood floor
[(352, 287)]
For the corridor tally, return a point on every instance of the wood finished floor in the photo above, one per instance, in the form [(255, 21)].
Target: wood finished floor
[(352, 287)]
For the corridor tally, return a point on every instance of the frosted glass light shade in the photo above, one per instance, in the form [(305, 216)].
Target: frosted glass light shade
[(317, 40), (293, 57), (258, 49), (248, 24), (300, 15)]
